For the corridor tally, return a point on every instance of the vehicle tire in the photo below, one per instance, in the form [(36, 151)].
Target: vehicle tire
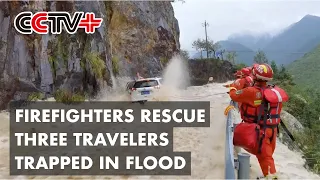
[(141, 102)]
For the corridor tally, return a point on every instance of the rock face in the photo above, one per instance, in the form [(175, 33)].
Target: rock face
[(293, 125), (291, 122), (134, 36), (202, 70)]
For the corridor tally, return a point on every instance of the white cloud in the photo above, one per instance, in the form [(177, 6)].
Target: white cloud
[(226, 17)]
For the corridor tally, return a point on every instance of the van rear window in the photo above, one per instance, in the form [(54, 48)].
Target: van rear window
[(146, 83)]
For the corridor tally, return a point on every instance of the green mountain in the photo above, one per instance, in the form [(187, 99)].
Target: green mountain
[(306, 70), (294, 41)]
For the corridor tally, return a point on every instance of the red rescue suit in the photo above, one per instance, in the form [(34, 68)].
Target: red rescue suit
[(257, 133)]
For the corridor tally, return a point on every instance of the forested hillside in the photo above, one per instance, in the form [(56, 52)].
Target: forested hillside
[(306, 70)]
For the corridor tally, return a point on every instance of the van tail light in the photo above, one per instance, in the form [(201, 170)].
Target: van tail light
[(133, 89)]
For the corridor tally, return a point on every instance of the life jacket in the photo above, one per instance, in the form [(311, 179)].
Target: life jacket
[(250, 133), (271, 101)]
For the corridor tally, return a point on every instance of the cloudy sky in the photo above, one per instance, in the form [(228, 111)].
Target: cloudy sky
[(226, 17)]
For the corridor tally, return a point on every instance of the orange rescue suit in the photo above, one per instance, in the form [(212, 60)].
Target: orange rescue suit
[(240, 84), (257, 101)]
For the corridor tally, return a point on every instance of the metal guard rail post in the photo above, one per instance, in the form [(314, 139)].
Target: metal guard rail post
[(243, 162)]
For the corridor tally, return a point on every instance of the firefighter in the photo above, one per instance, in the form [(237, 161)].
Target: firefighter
[(260, 114), (244, 78), (237, 75), (247, 73)]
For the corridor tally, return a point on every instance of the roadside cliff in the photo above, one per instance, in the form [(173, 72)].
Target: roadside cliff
[(134, 37)]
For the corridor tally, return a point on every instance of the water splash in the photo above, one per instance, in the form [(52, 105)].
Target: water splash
[(117, 92), (175, 76), (114, 81)]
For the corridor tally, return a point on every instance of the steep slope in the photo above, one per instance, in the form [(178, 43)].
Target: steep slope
[(254, 42), (244, 54), (133, 37), (306, 70), (295, 41)]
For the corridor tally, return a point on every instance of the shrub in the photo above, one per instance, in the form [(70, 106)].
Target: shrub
[(115, 65), (97, 64), (164, 60), (304, 105), (68, 97), (35, 96), (240, 66)]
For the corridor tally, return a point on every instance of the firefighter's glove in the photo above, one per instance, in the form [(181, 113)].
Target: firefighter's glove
[(232, 88)]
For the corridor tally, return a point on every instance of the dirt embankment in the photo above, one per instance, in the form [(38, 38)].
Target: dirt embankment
[(201, 70)]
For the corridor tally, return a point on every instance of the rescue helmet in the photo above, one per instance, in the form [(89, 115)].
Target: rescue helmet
[(246, 71), (262, 72), (238, 74)]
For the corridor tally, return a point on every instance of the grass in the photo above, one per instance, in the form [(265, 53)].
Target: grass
[(59, 51), (164, 60), (67, 97), (115, 65), (97, 64), (63, 49), (53, 64), (35, 96)]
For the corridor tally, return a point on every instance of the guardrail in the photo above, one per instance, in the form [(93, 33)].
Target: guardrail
[(242, 164)]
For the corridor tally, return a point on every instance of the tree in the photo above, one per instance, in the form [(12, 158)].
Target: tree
[(231, 56), (184, 54), (240, 66), (213, 47), (274, 67), (222, 53), (281, 76), (260, 57), (199, 45)]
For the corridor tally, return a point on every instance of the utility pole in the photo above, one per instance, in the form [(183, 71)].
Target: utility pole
[(205, 28)]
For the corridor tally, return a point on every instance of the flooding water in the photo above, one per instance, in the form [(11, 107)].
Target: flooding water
[(206, 144)]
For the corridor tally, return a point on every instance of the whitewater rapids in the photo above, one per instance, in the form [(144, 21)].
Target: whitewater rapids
[(206, 144)]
